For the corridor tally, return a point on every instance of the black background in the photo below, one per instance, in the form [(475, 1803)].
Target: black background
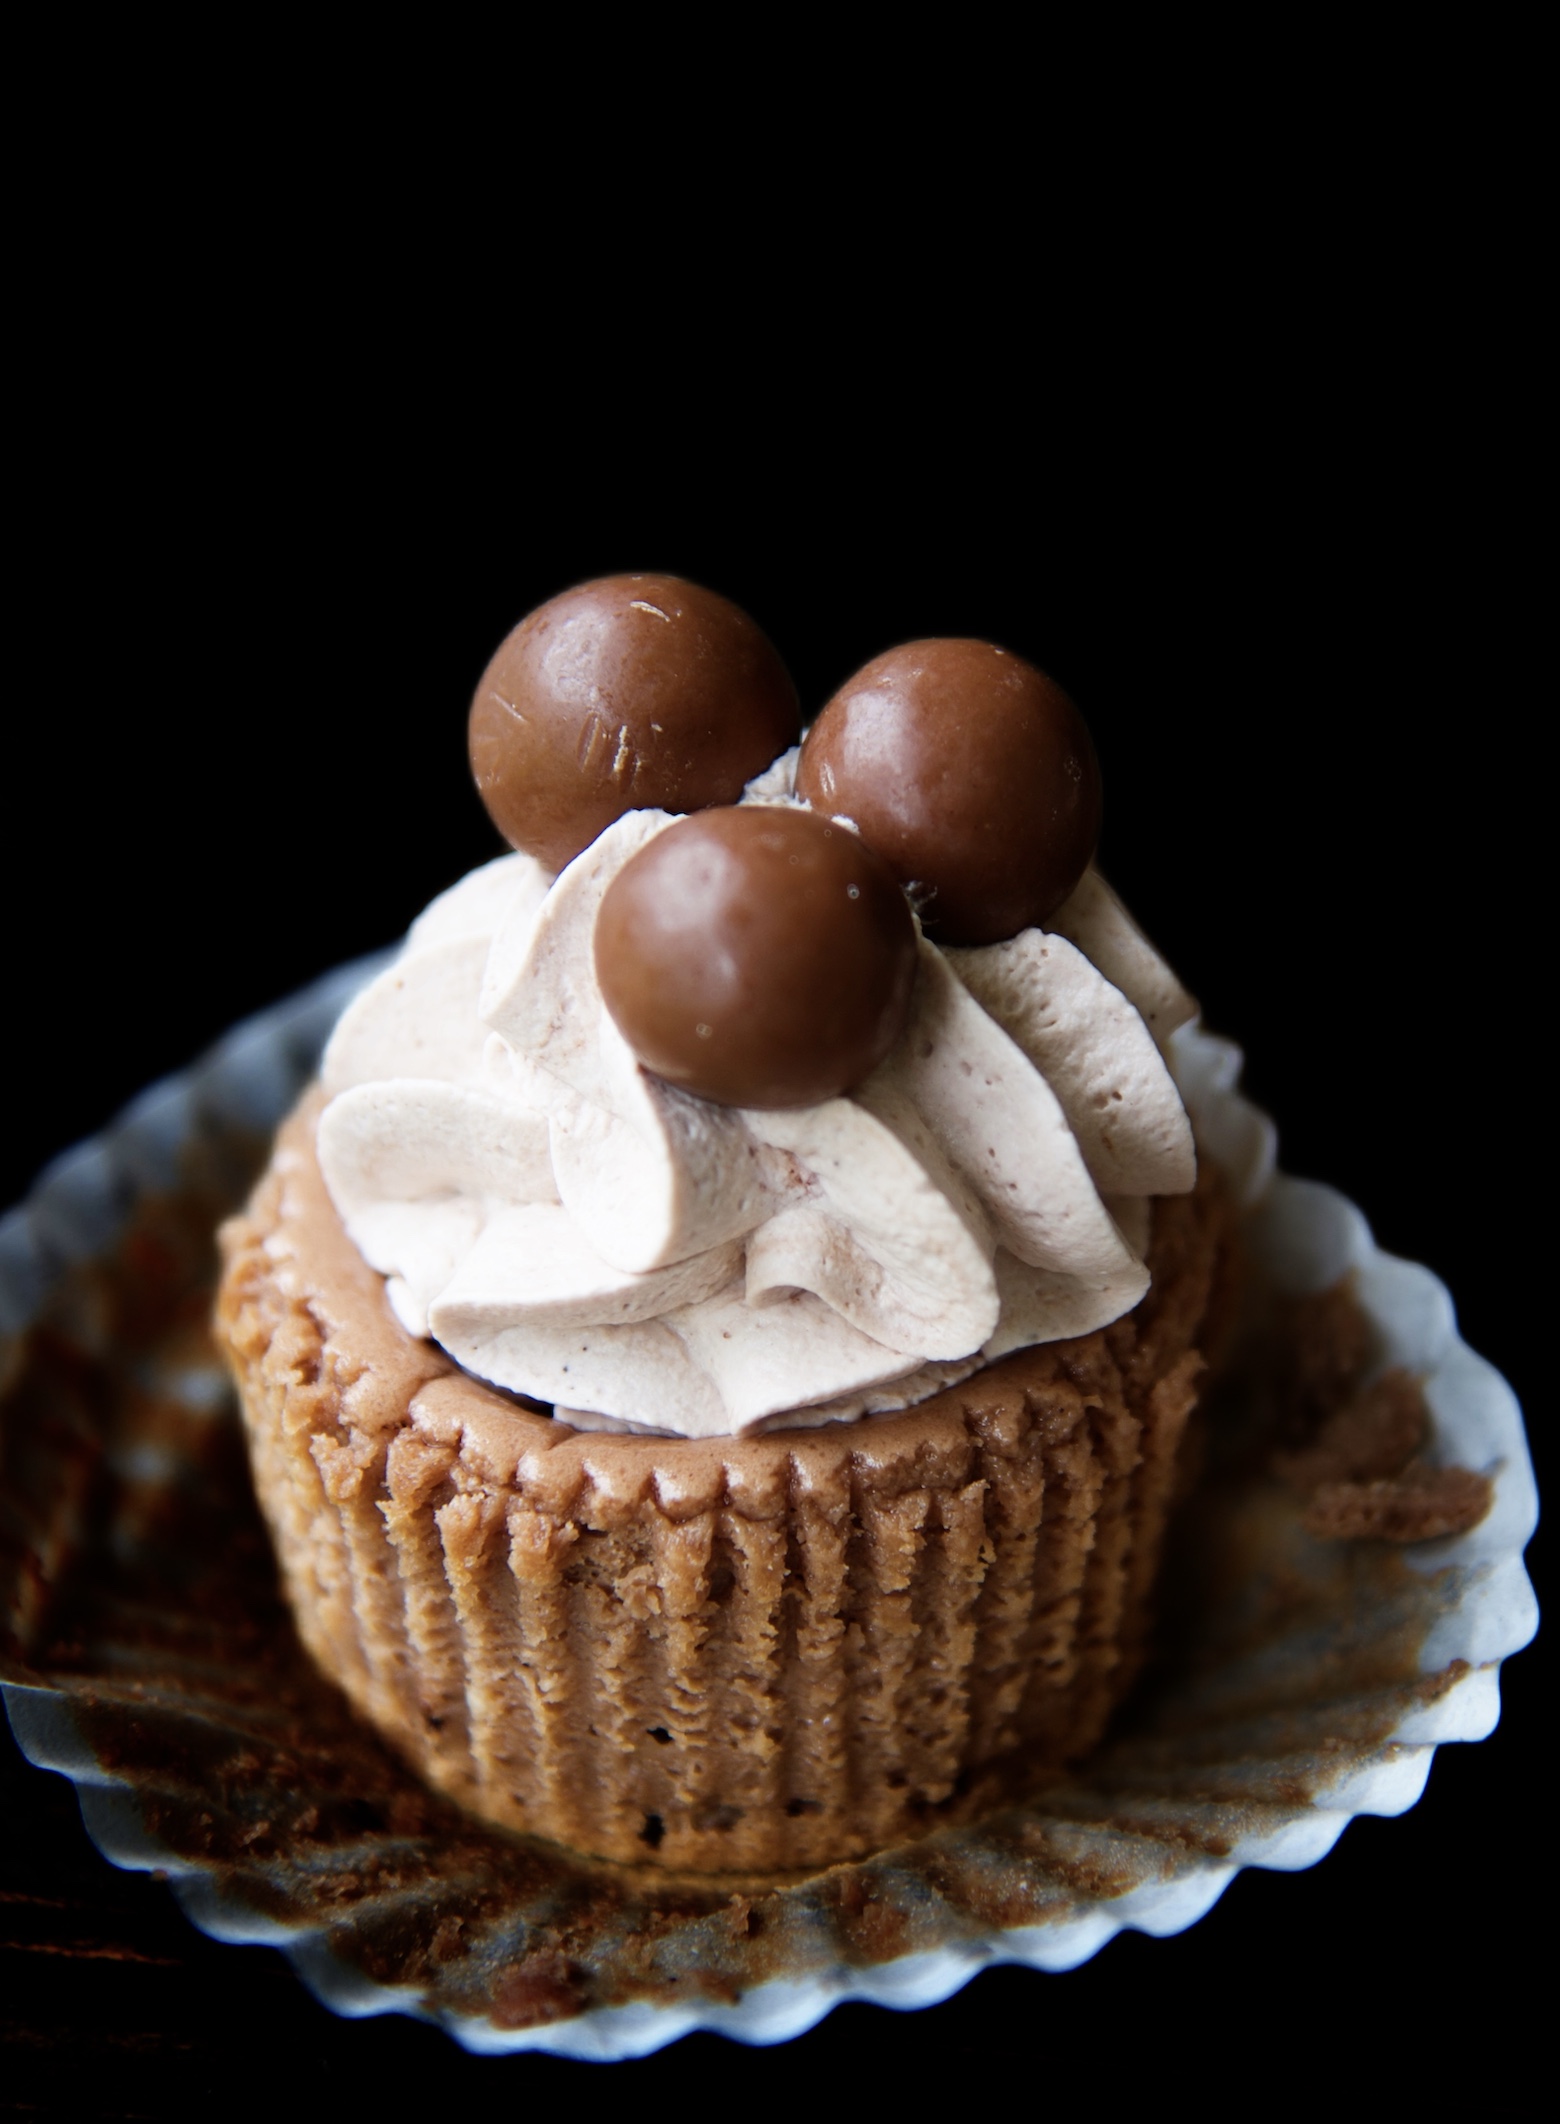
[(1290, 593)]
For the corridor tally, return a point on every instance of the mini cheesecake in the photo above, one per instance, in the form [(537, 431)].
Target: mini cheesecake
[(717, 1344), (746, 1655)]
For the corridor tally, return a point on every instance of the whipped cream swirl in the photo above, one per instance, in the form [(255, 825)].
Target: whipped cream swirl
[(571, 1228)]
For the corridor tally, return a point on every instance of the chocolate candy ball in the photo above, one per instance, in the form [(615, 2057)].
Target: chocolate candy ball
[(760, 957), (971, 773), (630, 692)]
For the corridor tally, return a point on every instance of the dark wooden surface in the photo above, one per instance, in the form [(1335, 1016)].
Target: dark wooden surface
[(1297, 625)]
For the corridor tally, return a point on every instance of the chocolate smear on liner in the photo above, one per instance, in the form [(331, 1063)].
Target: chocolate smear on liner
[(136, 1581)]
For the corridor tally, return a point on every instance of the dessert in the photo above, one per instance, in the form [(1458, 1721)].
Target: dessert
[(717, 1342)]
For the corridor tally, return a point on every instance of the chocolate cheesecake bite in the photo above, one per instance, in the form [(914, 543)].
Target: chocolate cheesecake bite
[(626, 693), (667, 1153), (759, 957), (971, 773)]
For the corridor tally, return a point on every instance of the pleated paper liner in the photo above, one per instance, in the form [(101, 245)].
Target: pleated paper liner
[(148, 1655)]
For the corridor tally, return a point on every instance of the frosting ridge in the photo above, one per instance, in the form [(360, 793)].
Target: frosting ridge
[(571, 1228)]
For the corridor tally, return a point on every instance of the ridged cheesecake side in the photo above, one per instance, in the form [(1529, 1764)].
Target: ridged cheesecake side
[(732, 1655)]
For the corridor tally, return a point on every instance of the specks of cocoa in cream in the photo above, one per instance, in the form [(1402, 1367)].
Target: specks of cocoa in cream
[(571, 1228)]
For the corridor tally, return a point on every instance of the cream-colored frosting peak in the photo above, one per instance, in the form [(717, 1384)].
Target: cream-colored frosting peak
[(572, 1228)]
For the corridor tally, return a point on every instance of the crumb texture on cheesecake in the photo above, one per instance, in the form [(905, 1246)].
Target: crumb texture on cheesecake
[(731, 1654)]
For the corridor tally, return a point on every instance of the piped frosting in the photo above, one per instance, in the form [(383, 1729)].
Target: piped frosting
[(571, 1228)]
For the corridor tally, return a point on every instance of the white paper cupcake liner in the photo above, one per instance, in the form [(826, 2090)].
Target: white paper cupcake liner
[(1477, 1604)]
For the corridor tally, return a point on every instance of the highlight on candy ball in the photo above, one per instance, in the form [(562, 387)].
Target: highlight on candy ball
[(973, 776), (629, 693), (757, 957)]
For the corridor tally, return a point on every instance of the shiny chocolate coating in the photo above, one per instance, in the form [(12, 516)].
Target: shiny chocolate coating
[(758, 957), (631, 692), (971, 773)]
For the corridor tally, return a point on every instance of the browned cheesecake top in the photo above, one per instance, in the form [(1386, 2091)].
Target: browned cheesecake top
[(389, 1380)]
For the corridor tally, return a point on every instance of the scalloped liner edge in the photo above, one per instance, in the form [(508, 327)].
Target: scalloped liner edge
[(1309, 1235)]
